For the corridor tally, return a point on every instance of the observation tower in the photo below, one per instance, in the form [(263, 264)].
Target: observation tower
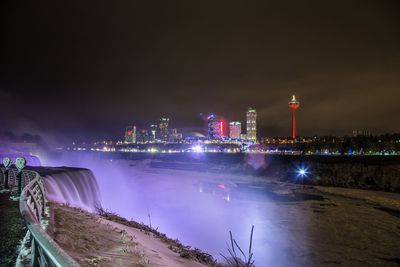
[(293, 105)]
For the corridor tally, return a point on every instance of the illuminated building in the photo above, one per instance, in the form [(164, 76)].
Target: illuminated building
[(361, 133), (235, 129), (175, 136), (163, 129), (221, 128), (130, 135), (294, 105), (251, 124), (212, 127), (142, 137), (153, 131)]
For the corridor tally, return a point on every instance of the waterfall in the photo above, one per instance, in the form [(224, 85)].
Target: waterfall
[(76, 187)]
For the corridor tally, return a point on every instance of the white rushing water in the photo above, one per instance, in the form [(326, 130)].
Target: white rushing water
[(75, 187)]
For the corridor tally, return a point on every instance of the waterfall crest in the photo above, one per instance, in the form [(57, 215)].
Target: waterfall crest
[(76, 187)]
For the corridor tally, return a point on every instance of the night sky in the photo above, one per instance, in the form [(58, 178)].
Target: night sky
[(84, 70)]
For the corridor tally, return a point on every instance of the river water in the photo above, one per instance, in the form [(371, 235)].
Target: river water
[(200, 207)]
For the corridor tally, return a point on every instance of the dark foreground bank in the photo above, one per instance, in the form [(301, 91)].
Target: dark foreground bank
[(12, 230)]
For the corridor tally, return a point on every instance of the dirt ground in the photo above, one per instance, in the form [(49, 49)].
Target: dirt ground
[(12, 230), (94, 241)]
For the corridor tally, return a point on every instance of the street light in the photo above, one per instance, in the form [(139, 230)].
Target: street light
[(302, 172)]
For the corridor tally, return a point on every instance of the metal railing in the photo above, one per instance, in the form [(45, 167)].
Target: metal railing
[(26, 177), (32, 204)]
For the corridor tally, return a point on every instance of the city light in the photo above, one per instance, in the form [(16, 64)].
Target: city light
[(197, 148), (302, 172)]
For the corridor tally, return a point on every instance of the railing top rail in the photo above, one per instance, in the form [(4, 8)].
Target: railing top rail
[(56, 254), (12, 174)]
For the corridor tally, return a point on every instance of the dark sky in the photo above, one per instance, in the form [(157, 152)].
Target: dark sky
[(80, 69)]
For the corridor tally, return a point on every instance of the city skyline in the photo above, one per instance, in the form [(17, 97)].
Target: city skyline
[(200, 133), (216, 127), (65, 81)]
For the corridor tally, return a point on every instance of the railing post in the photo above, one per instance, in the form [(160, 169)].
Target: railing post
[(35, 253), (19, 181), (20, 163), (6, 179)]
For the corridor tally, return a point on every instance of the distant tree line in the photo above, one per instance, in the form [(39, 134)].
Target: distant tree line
[(360, 145)]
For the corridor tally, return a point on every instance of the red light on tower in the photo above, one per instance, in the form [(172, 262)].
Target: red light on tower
[(293, 105)]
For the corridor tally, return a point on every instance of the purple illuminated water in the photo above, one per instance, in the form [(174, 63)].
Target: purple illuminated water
[(180, 206)]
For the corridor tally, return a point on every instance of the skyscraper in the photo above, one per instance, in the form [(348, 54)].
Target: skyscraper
[(153, 131), (142, 137), (251, 124), (163, 128), (221, 128), (175, 136), (212, 127), (235, 129), (361, 133), (130, 135)]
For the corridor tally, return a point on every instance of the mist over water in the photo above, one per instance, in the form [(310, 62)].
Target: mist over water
[(194, 207)]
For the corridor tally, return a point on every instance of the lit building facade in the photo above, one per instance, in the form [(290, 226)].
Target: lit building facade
[(222, 128), (235, 129), (361, 133), (130, 135), (251, 124), (163, 129), (175, 136), (153, 131), (213, 129), (143, 137)]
